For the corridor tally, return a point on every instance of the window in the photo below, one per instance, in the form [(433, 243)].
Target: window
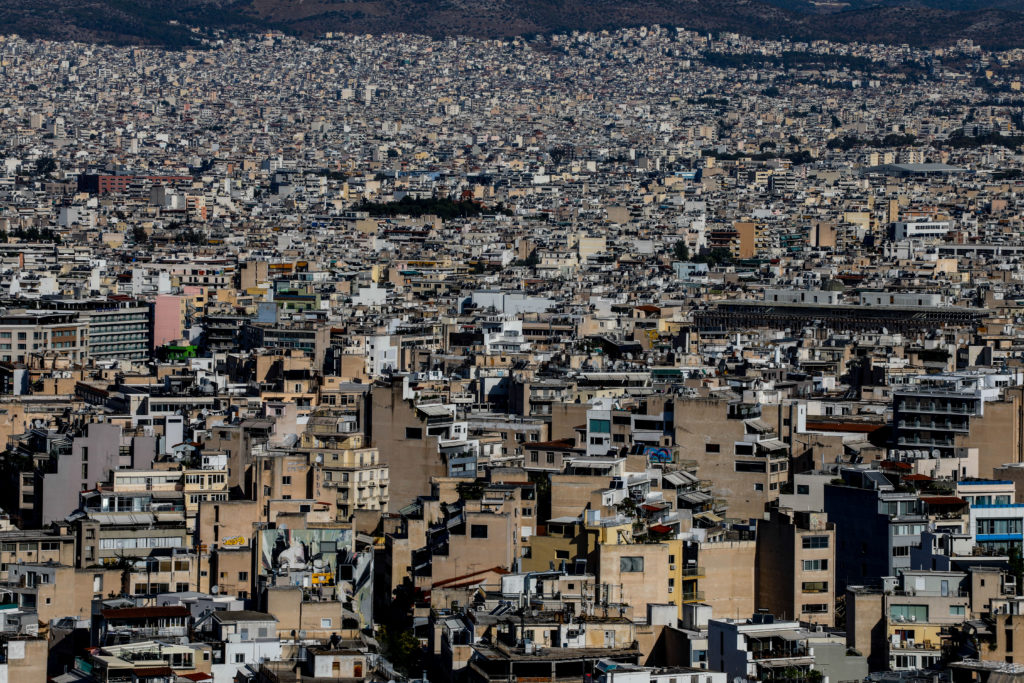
[(746, 466), (901, 551), (240, 658), (286, 481), (744, 449), (811, 542), (759, 486), (908, 612), (815, 565), (956, 610), (803, 489), (631, 564), (814, 587), (325, 623), (243, 576), (999, 526), (478, 531), (814, 608), (601, 426), (413, 433), (712, 448)]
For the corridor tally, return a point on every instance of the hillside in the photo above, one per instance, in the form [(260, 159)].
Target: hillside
[(987, 22)]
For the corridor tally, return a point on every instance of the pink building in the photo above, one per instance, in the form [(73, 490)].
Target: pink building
[(168, 319)]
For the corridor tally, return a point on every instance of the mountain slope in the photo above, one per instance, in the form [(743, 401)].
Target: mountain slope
[(153, 21)]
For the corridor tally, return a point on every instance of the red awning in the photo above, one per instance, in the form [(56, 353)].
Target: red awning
[(944, 500)]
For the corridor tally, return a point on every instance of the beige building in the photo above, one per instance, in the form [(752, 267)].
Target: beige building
[(728, 583), (795, 577), (743, 459), (352, 474), (28, 332)]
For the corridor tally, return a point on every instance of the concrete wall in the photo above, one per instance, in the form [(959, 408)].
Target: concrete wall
[(729, 584), (411, 462), (75, 472), (635, 589)]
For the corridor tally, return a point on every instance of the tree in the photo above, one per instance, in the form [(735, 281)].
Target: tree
[(680, 251), (1016, 564), (190, 236), (715, 257), (45, 166), (139, 235), (400, 647)]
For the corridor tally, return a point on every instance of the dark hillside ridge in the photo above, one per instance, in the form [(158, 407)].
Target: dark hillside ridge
[(997, 24)]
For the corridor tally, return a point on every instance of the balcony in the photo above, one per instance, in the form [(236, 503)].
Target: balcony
[(780, 653), (917, 441), (693, 571), (693, 596), (131, 633), (936, 408), (914, 646), (934, 425)]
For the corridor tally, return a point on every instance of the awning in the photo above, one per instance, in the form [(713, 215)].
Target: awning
[(709, 516), (759, 426), (435, 410), (944, 500), (681, 478), (772, 445), (694, 497)]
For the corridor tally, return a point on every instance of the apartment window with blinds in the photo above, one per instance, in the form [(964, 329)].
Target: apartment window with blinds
[(631, 564)]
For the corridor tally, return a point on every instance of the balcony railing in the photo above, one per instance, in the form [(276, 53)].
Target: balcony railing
[(780, 653)]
